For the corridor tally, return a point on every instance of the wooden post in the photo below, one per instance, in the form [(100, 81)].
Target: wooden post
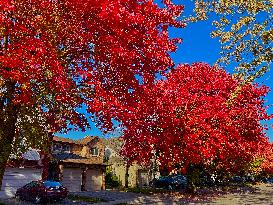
[(61, 168), (103, 178), (127, 174)]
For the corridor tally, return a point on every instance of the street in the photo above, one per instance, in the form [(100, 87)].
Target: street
[(261, 194)]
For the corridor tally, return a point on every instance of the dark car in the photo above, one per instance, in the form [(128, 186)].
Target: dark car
[(238, 179), (171, 182), (268, 180), (40, 191)]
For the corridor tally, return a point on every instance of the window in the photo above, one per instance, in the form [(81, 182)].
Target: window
[(61, 148), (94, 151), (31, 184), (57, 147), (66, 148), (52, 184)]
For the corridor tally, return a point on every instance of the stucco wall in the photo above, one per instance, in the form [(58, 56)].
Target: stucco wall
[(76, 149), (99, 145), (15, 178), (119, 170)]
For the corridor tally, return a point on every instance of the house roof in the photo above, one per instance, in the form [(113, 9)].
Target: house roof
[(16, 163), (83, 141), (62, 139), (114, 144), (86, 140), (64, 156), (75, 158), (31, 154), (84, 161)]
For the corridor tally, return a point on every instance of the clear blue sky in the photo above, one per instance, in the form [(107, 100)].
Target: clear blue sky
[(197, 46)]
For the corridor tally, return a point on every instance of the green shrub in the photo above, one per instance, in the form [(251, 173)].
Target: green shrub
[(112, 181)]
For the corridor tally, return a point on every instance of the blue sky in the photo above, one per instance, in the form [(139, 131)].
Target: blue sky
[(197, 46)]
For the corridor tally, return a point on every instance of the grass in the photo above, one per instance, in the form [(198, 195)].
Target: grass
[(84, 199)]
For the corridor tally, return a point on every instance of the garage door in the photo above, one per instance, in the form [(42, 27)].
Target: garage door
[(72, 178), (15, 178), (93, 179)]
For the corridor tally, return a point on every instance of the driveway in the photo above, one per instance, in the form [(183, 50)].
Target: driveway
[(260, 195)]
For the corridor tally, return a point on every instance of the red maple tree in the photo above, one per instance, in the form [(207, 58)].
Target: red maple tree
[(190, 117), (60, 55)]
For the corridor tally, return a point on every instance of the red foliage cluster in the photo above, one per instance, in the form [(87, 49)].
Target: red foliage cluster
[(61, 54), (57, 55), (188, 118), (265, 154)]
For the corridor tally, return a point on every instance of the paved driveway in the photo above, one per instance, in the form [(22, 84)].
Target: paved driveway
[(262, 195), (259, 195)]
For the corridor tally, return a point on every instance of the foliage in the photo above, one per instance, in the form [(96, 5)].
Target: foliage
[(60, 58), (111, 180), (244, 29), (265, 155), (188, 119), (194, 176)]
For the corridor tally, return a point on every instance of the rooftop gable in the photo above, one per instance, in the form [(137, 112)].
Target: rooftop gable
[(83, 141)]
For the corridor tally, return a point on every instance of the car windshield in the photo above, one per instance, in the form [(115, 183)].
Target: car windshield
[(52, 184), (179, 176)]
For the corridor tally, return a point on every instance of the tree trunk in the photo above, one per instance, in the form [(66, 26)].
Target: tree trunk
[(127, 175), (47, 155), (5, 149), (7, 128)]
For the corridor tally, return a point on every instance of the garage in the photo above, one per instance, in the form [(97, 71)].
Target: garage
[(93, 179), (15, 178), (72, 179)]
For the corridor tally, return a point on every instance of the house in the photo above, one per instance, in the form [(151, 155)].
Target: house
[(139, 176), (78, 164)]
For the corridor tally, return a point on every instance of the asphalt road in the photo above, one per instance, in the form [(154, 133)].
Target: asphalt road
[(258, 195)]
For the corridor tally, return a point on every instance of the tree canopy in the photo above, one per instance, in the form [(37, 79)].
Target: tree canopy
[(244, 29), (188, 118), (61, 55)]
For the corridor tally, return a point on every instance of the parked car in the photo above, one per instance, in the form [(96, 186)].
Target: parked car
[(171, 182), (40, 191), (207, 181), (268, 180), (237, 179)]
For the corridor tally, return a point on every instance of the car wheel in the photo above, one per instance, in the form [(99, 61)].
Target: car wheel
[(170, 187), (60, 200), (37, 199), (17, 196)]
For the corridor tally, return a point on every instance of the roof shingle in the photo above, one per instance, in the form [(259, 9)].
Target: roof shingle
[(83, 141)]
